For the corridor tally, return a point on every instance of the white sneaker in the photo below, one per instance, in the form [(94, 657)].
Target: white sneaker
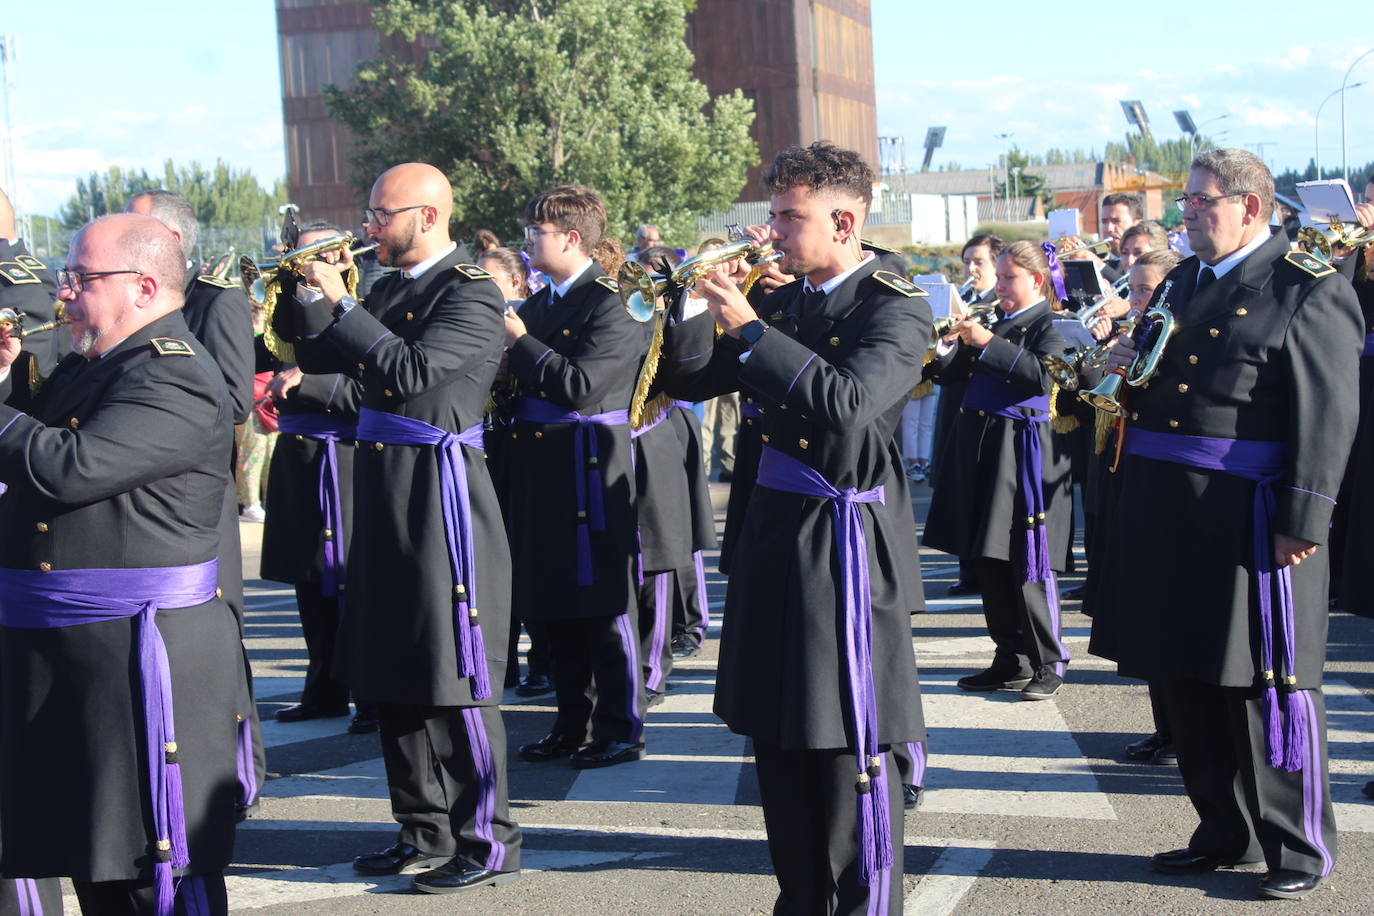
[(253, 513)]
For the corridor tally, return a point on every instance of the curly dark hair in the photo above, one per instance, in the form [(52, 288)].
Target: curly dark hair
[(822, 166)]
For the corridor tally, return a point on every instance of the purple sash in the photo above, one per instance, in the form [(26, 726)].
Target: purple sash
[(780, 471), (591, 499), (749, 410), (328, 429), (1368, 347), (1261, 462), (393, 429), (73, 597)]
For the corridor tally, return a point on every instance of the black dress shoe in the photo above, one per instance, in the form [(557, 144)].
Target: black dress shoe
[(911, 796), (994, 680), (534, 685), (1187, 861), (458, 874), (1145, 748), (550, 747), (963, 588), (1368, 789), (391, 861), (607, 754), (685, 647), (1166, 756), (362, 724), (303, 711), (1286, 884), (726, 476)]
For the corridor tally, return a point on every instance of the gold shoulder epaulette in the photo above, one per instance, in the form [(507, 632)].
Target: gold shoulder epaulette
[(30, 262), (472, 272), (216, 281), (899, 283), (610, 283), (170, 346), (16, 274), (1308, 264), (875, 247)]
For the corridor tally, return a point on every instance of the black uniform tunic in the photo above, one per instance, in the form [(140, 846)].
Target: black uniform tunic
[(1356, 589), (832, 382), (122, 465), (579, 354), (426, 348), (1267, 352)]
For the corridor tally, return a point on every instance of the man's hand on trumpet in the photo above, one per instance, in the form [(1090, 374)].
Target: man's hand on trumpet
[(327, 276), (728, 306), (9, 349)]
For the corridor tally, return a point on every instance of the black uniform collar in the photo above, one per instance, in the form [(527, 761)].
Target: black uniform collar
[(1240, 282)]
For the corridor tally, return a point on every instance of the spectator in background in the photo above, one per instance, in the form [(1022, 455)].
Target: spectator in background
[(508, 271), (485, 241), (646, 236)]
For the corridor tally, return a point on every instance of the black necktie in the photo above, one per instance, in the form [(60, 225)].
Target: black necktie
[(1204, 280)]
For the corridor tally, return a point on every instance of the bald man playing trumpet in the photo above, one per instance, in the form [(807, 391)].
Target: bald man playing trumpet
[(428, 578)]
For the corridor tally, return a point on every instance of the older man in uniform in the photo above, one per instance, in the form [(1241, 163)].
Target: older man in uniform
[(1233, 455), (428, 581), (120, 661), (827, 554)]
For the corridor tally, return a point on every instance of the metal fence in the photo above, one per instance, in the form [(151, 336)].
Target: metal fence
[(49, 243)]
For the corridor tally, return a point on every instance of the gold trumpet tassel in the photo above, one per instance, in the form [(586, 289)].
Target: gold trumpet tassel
[(644, 411), (275, 345)]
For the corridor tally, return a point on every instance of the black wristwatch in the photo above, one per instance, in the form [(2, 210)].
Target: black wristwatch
[(752, 331), (344, 306)]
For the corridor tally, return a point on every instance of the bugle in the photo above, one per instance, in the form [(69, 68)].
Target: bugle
[(1090, 314), (1065, 252), (12, 323), (1158, 321), (640, 289), (985, 315), (1322, 241)]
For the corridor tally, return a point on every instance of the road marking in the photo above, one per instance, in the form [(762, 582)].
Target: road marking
[(688, 763), (1349, 733), (939, 891), (1035, 770)]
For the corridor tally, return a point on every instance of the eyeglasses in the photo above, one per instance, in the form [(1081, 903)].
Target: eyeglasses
[(533, 232), (1203, 201), (75, 280), (382, 216)]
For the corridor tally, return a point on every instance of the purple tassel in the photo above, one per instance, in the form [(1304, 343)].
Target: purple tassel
[(596, 500), (248, 784), (1274, 726), (1032, 555), (584, 555), (875, 832), (1295, 728), (481, 683), (180, 857), (163, 889)]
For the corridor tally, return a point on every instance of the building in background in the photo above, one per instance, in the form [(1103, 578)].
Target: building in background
[(807, 65)]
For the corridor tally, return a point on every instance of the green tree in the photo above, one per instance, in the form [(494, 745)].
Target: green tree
[(1015, 164), (1171, 157), (223, 197), (509, 98)]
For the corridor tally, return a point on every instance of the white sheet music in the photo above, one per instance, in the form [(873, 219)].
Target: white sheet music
[(1326, 200)]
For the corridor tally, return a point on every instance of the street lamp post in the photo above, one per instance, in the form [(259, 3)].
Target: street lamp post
[(1316, 138), (1345, 170), (1197, 135)]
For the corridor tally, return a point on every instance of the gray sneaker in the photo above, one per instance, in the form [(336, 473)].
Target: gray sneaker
[(1044, 685)]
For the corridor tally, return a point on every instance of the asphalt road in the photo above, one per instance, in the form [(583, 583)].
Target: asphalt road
[(1028, 808)]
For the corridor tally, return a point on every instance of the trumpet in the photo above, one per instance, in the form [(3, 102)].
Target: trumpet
[(639, 289), (1090, 314), (1065, 252), (1321, 241), (1065, 369), (986, 315), (967, 288), (1107, 396), (12, 323), (256, 275)]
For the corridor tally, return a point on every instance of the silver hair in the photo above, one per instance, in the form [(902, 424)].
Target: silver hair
[(176, 213), (1239, 171)]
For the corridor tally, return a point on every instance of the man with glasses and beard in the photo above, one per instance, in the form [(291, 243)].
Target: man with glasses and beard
[(1233, 455), (120, 660), (424, 632)]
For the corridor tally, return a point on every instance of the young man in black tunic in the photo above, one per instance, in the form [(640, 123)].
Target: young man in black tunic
[(816, 664)]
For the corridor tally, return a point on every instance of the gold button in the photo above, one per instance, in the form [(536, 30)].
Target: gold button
[(1192, 360), (1173, 424), (748, 400), (378, 446), (387, 392), (238, 717), (567, 333), (410, 316), (982, 413), (834, 341), (749, 422), (515, 435), (543, 394), (219, 593), (300, 438), (538, 434), (762, 411), (45, 566), (1242, 312), (42, 527), (1214, 332), (328, 534), (765, 437), (1134, 415), (73, 422), (362, 366), (803, 443), (961, 410), (1182, 388), (362, 387)]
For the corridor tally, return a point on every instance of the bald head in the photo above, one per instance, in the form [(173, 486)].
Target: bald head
[(419, 199), (7, 229)]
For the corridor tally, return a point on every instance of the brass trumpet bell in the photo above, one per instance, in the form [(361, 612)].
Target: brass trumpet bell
[(1107, 396), (1321, 241), (12, 322), (639, 289)]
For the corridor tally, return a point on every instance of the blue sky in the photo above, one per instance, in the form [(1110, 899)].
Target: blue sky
[(137, 82)]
